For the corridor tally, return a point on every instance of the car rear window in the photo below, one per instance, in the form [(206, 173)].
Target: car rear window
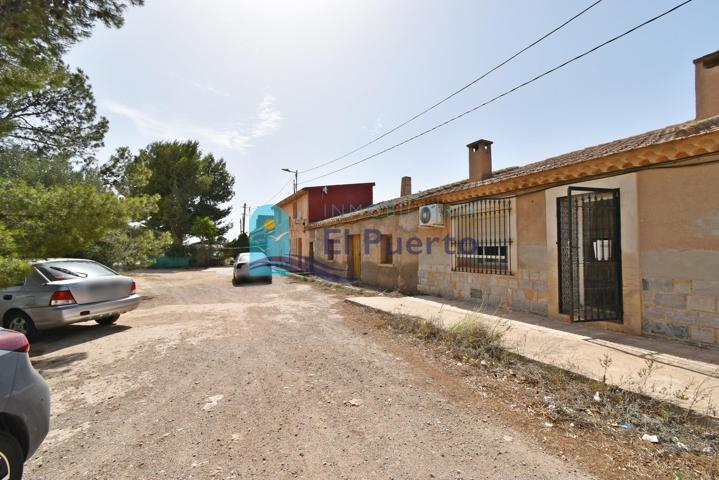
[(68, 270)]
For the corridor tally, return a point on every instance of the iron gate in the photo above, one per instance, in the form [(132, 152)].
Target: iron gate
[(590, 255)]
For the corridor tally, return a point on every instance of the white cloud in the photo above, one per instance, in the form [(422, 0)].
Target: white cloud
[(236, 136), (207, 88), (269, 118)]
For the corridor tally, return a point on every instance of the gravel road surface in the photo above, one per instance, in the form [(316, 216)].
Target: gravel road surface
[(206, 380)]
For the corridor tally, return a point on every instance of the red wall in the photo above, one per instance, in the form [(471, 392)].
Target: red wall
[(339, 199)]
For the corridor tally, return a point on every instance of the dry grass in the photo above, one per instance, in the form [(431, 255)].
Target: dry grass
[(689, 445)]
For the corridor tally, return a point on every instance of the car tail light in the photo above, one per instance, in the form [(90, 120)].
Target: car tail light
[(62, 297), (133, 287), (14, 342)]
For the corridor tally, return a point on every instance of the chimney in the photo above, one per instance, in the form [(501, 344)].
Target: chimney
[(706, 70), (480, 160), (406, 187)]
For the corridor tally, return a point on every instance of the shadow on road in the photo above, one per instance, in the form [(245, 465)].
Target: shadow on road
[(71, 335)]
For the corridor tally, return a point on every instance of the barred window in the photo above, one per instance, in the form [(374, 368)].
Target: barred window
[(482, 233)]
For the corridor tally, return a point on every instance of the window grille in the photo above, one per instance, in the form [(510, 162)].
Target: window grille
[(482, 233)]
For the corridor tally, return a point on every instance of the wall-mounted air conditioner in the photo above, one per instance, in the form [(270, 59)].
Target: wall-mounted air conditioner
[(431, 215)]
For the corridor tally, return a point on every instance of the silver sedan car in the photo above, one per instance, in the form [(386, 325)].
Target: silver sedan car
[(63, 291), (24, 405), (251, 266)]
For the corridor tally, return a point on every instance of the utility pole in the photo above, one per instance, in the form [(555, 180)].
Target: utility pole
[(294, 190), (244, 212)]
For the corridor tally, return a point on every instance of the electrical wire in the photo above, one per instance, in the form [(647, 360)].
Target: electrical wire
[(456, 92), (504, 94), (278, 192)]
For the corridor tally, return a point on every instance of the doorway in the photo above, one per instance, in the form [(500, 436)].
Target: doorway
[(311, 266), (590, 255), (354, 258)]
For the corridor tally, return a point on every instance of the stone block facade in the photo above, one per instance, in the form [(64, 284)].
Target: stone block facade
[(681, 309), (523, 292)]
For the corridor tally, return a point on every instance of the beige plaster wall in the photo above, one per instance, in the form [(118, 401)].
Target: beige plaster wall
[(524, 290), (679, 244), (401, 275)]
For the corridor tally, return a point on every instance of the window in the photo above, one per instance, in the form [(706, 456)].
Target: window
[(482, 233), (70, 269), (385, 249), (331, 246)]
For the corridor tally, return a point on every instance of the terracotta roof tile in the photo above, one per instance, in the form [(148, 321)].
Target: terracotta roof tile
[(654, 137)]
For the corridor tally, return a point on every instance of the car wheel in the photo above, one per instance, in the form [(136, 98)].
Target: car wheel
[(234, 281), (268, 279), (11, 458), (20, 322), (108, 320)]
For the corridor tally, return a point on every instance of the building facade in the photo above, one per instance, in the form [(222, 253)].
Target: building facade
[(314, 204), (623, 235)]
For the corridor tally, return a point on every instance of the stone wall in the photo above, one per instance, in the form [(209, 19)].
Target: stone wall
[(524, 291), (681, 309)]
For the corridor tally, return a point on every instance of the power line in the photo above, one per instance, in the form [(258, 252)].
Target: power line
[(278, 192), (494, 99), (456, 92)]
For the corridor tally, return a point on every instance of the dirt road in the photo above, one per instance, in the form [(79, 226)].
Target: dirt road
[(206, 380)]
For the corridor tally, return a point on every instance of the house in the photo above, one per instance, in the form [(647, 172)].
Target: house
[(624, 235), (314, 204)]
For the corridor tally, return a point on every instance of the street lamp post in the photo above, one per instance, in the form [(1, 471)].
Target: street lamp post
[(295, 183)]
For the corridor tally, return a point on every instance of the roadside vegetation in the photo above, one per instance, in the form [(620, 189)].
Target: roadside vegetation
[(58, 199), (644, 437)]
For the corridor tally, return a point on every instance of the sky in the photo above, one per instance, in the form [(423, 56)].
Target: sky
[(275, 84)]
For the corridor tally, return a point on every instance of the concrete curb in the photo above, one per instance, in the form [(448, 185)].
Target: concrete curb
[(577, 350)]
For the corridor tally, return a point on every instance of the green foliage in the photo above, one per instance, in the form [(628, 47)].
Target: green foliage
[(189, 184), (55, 221), (12, 268), (130, 248), (57, 119), (18, 163), (48, 206), (241, 243), (122, 174), (204, 228), (177, 250), (53, 26), (43, 104)]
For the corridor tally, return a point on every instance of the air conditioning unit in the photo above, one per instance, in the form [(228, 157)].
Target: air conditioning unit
[(431, 215)]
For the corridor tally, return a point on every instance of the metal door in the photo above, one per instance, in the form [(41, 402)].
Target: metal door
[(590, 255)]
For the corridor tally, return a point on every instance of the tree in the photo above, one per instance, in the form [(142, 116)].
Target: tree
[(56, 221), (18, 163), (50, 208), (189, 184), (58, 119), (48, 117), (128, 248), (54, 25), (205, 229), (241, 243), (43, 104)]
